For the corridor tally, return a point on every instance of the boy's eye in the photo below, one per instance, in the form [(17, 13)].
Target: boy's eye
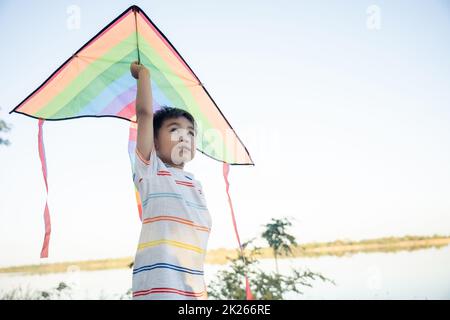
[(190, 132)]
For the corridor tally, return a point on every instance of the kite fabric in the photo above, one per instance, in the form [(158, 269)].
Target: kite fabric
[(96, 82), (132, 138)]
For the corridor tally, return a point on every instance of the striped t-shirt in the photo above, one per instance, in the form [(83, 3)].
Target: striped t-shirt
[(174, 235)]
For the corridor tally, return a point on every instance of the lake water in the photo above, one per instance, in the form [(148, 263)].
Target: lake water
[(421, 274)]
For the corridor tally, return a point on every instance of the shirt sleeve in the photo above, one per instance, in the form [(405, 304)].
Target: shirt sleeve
[(144, 169)]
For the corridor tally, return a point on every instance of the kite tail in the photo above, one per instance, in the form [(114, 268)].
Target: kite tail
[(226, 170), (131, 153), (48, 226)]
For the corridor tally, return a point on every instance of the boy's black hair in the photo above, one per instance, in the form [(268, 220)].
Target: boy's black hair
[(169, 113)]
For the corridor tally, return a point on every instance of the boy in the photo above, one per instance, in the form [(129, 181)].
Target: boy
[(175, 219)]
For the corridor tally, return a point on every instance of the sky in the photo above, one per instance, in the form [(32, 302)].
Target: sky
[(343, 106)]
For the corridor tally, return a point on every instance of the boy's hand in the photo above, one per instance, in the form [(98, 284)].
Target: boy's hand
[(137, 69)]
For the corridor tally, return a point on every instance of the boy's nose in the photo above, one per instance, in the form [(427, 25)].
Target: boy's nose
[(184, 137)]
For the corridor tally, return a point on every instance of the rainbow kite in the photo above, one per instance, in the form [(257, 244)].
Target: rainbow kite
[(96, 82)]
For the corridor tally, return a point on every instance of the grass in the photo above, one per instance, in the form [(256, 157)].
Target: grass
[(218, 256), (61, 292)]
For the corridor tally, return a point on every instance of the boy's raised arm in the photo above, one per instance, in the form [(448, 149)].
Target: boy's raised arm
[(144, 110)]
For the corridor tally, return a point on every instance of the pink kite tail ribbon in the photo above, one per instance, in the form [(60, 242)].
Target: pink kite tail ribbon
[(48, 226), (132, 137), (226, 170)]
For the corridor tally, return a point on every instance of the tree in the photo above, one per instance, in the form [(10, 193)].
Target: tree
[(4, 127), (278, 239), (229, 283)]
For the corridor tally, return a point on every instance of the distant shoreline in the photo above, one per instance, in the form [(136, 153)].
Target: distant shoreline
[(218, 256)]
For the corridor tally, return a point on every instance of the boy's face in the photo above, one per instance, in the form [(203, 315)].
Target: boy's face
[(175, 143)]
